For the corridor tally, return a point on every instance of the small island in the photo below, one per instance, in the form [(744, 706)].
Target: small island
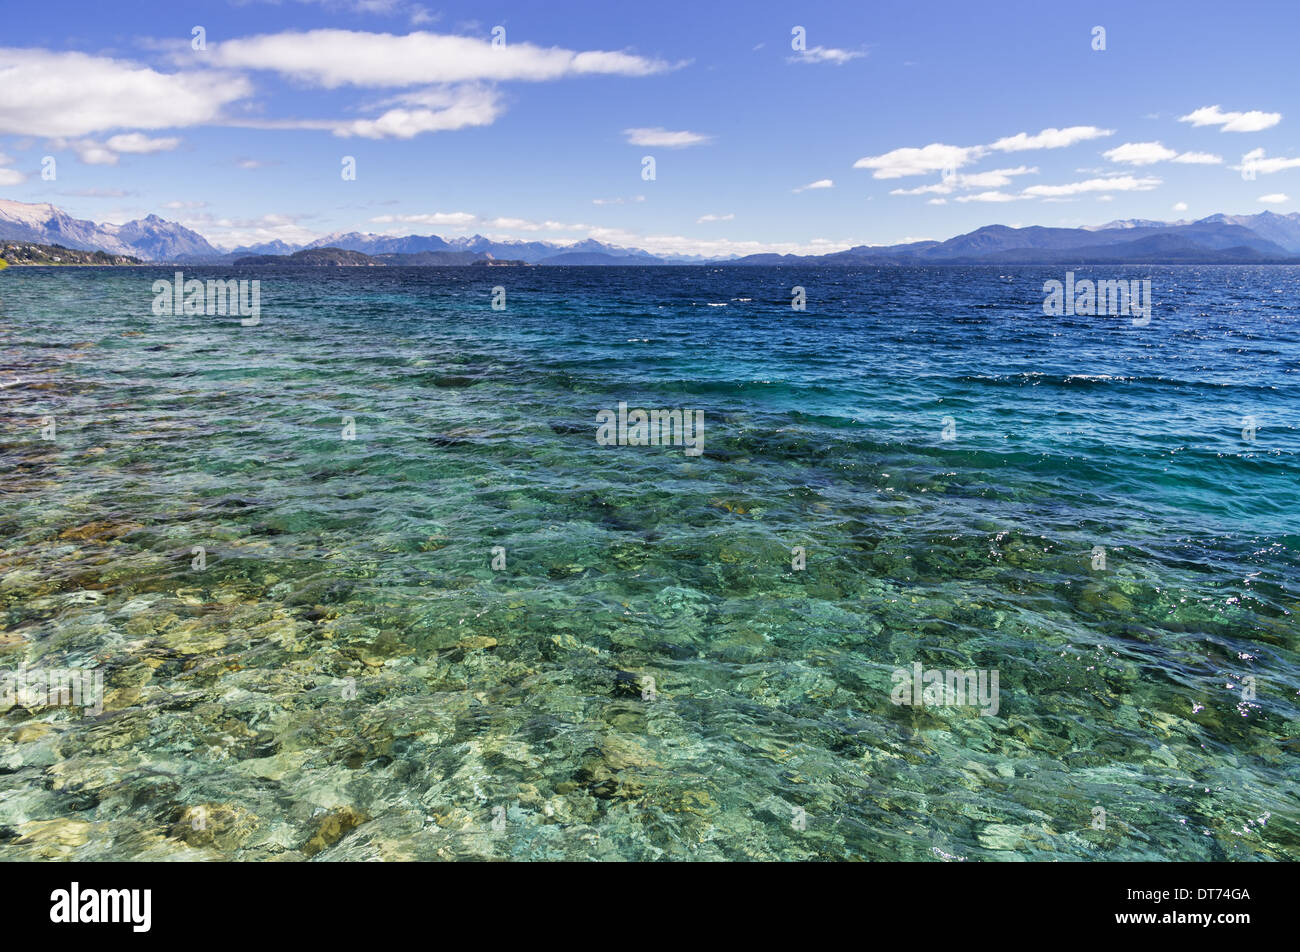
[(315, 258)]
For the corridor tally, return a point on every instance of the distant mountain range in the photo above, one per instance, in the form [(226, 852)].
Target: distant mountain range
[(151, 238), (1219, 239)]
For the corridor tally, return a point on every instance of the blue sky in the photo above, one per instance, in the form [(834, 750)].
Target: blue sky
[(926, 119)]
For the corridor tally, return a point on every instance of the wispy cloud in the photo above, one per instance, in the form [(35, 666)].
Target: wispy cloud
[(989, 196), (1119, 183), (825, 54), (665, 138), (820, 183), (708, 218), (1049, 139), (1276, 198)]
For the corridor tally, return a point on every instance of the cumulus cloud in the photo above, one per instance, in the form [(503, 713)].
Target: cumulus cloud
[(1255, 161), (1277, 198), (934, 157), (57, 95), (1140, 153), (1148, 153), (664, 138), (1252, 121), (820, 183), (939, 157), (333, 58), (1049, 139)]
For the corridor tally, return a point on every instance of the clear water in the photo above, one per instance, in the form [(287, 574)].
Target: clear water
[(348, 677)]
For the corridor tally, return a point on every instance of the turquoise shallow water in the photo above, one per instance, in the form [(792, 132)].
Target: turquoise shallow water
[(348, 677)]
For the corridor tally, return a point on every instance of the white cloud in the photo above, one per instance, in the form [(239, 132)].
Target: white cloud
[(992, 196), (1119, 183), (1148, 153), (820, 183), (708, 218), (1140, 153), (439, 109), (937, 156), (664, 138), (1049, 139), (10, 176), (1277, 198), (333, 58), (43, 93), (1255, 160), (1252, 121), (1180, 206), (824, 54), (141, 144), (92, 153), (433, 218), (993, 178), (934, 157)]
